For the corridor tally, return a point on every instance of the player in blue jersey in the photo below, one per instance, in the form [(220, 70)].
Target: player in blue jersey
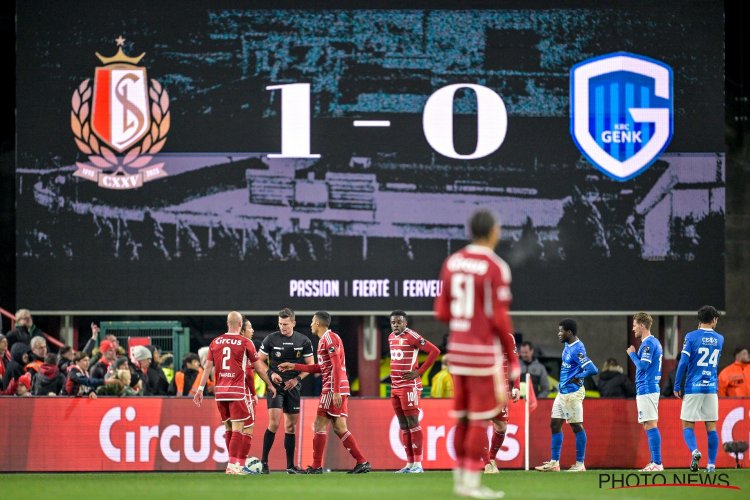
[(700, 401), (647, 376), (568, 404)]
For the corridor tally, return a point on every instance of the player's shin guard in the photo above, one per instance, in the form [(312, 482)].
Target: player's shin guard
[(689, 436), (580, 446), (406, 441), (476, 439), (268, 438), (289, 440), (352, 447), (319, 447), (713, 446), (498, 438), (416, 443), (235, 448), (654, 444), (557, 441), (459, 443)]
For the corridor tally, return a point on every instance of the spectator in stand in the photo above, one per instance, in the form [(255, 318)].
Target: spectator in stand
[(37, 355), (613, 383), (167, 366), (120, 380), (19, 354), (442, 382), (186, 381), (79, 382), (142, 356), (4, 358), (101, 367), (734, 380), (22, 385), (66, 358), (48, 381), (156, 378), (529, 364), (91, 343), (24, 330)]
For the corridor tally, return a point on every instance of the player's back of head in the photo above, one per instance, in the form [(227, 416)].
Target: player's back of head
[(707, 314), (323, 317), (481, 224)]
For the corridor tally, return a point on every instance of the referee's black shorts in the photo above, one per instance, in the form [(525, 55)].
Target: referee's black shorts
[(287, 400)]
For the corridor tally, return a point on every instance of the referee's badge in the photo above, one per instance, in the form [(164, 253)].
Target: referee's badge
[(278, 354), (298, 354)]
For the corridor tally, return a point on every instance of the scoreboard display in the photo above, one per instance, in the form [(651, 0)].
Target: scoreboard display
[(180, 157)]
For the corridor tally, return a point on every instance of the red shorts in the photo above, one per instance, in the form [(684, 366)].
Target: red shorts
[(405, 401), (503, 415), (327, 409), (479, 397), (236, 411), (251, 407)]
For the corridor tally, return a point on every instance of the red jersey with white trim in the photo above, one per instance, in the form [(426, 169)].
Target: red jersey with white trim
[(330, 357), (475, 300), (230, 354), (404, 358)]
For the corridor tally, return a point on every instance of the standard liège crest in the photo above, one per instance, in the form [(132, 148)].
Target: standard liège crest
[(120, 121)]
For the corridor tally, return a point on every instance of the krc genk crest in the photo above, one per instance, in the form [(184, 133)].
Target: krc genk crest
[(120, 121), (621, 112)]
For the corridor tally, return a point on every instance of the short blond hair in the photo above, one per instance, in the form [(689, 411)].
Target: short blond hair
[(234, 319), (644, 319)]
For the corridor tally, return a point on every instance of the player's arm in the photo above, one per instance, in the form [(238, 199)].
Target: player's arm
[(432, 351), (642, 362), (588, 369), (681, 370), (443, 301), (198, 398), (262, 371), (299, 367), (335, 376), (501, 297)]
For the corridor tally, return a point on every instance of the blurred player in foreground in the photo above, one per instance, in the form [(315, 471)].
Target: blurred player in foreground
[(474, 302)]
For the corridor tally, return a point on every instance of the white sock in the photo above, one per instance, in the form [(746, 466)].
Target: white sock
[(409, 464), (416, 464), (458, 476), (471, 479)]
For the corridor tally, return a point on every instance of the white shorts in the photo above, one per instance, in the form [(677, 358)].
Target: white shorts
[(700, 408), (569, 406), (648, 407)]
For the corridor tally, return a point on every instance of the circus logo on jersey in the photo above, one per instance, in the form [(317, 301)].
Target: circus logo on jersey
[(120, 121), (621, 112)]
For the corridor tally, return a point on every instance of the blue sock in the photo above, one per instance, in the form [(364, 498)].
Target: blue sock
[(557, 440), (580, 446), (654, 444), (713, 446), (689, 436)]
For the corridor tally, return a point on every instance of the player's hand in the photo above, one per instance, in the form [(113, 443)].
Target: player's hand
[(630, 350), (272, 390), (276, 378), (255, 399), (411, 375), (336, 399), (285, 366), (198, 398), (515, 372), (290, 384), (678, 394), (515, 394)]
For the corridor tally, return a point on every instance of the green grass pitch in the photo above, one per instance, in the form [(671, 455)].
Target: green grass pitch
[(338, 485)]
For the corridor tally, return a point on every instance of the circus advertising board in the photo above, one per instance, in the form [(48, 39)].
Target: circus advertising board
[(330, 158)]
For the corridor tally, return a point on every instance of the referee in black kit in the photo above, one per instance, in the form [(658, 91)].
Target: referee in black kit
[(286, 345)]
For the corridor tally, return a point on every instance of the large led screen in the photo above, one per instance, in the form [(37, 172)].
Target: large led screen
[(180, 157)]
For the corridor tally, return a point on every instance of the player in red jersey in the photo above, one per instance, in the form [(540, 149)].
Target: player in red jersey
[(406, 385), (230, 353), (333, 398), (474, 302), (500, 422)]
